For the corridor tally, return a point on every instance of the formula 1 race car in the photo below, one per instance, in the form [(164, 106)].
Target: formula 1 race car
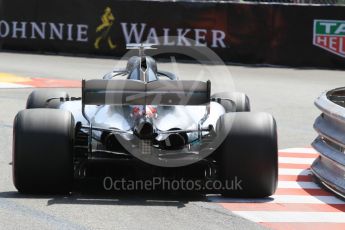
[(143, 122)]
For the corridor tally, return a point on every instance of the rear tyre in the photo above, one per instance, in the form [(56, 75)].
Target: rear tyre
[(41, 99), (42, 151), (241, 100), (248, 155)]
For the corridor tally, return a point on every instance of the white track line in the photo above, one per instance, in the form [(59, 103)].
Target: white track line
[(302, 172), (297, 184), (267, 216), (281, 199), (294, 160), (299, 150), (5, 85)]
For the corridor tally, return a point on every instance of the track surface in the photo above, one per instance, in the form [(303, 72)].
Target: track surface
[(286, 93), (299, 202)]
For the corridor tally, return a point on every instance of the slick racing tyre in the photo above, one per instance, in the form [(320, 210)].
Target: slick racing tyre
[(42, 151), (41, 99), (241, 100), (248, 155)]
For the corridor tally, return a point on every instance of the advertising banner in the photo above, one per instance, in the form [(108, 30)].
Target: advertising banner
[(239, 33)]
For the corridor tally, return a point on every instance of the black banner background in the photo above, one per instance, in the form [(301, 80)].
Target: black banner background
[(255, 33)]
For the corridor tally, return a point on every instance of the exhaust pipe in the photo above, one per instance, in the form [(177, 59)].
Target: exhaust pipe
[(172, 141)]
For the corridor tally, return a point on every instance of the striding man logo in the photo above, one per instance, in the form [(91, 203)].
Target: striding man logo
[(103, 30)]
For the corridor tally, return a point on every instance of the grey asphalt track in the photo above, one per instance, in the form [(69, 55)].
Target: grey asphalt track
[(286, 93)]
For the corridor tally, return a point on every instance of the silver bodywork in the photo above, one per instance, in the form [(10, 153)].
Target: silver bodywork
[(185, 133), (183, 117)]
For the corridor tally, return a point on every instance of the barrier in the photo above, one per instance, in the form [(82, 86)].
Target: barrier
[(292, 35), (330, 125)]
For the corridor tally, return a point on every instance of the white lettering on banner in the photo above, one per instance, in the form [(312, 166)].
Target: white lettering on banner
[(134, 33), (342, 48), (138, 37), (152, 37), (82, 33), (35, 29), (4, 29), (200, 37), (181, 37), (333, 43), (16, 28), (218, 37), (328, 26), (69, 32), (322, 41), (131, 33), (166, 38), (55, 31), (341, 29), (43, 30)]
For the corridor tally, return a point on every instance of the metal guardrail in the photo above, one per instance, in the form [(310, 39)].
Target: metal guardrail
[(329, 167), (288, 2)]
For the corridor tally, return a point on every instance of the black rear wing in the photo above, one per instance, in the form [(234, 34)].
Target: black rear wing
[(133, 92)]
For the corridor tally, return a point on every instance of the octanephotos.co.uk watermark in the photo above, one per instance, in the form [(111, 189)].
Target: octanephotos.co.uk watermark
[(161, 183)]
